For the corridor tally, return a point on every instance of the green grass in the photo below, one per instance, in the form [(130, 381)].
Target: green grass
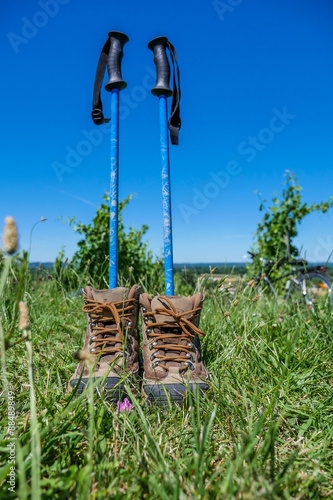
[(263, 430)]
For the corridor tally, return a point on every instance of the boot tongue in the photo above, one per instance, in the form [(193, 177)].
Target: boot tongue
[(118, 294), (114, 295), (181, 304)]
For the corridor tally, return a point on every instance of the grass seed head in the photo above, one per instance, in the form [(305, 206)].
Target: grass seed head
[(83, 356), (226, 314), (10, 236), (24, 316), (257, 297)]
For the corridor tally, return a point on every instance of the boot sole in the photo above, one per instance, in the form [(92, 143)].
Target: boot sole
[(113, 389), (163, 395)]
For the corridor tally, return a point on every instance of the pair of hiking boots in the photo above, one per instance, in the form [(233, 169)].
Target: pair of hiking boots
[(172, 360)]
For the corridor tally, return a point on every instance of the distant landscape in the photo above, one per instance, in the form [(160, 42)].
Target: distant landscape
[(197, 266), (238, 268)]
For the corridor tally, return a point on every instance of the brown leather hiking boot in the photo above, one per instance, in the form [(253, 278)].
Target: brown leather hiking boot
[(112, 337), (171, 347)]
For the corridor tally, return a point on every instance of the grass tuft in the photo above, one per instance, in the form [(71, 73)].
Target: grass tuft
[(263, 430)]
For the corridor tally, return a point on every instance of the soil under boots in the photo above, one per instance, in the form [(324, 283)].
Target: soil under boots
[(112, 338), (172, 358)]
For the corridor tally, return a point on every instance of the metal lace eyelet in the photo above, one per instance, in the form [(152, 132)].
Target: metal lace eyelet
[(152, 345), (92, 350), (188, 355), (92, 339), (148, 330), (188, 363), (189, 344), (144, 309), (152, 357), (92, 324), (155, 364), (129, 323)]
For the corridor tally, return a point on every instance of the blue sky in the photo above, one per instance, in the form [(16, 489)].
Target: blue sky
[(257, 99)]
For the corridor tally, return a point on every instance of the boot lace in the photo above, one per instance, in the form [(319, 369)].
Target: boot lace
[(181, 329), (115, 317)]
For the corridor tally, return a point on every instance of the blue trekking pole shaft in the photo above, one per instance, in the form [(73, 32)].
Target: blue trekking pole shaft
[(114, 184), (163, 91), (114, 85), (166, 196)]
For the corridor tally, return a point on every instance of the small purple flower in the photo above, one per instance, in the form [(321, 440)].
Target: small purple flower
[(280, 320), (125, 407), (48, 277)]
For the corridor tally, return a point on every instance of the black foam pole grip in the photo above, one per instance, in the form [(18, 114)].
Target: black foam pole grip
[(117, 42), (158, 46)]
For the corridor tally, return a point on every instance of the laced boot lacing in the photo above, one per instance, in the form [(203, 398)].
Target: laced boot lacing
[(116, 313), (177, 321)]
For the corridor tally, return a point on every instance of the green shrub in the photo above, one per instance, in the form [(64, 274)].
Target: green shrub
[(279, 226), (135, 260)]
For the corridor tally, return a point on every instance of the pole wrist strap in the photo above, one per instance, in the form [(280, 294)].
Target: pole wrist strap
[(97, 107), (174, 119)]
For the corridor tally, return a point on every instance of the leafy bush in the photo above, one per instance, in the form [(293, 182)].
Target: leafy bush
[(275, 233), (135, 260)]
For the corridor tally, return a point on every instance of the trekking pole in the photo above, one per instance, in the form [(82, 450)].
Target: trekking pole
[(111, 57), (163, 91)]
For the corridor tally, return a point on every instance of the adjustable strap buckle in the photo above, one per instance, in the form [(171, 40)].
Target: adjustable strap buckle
[(174, 132), (98, 117)]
